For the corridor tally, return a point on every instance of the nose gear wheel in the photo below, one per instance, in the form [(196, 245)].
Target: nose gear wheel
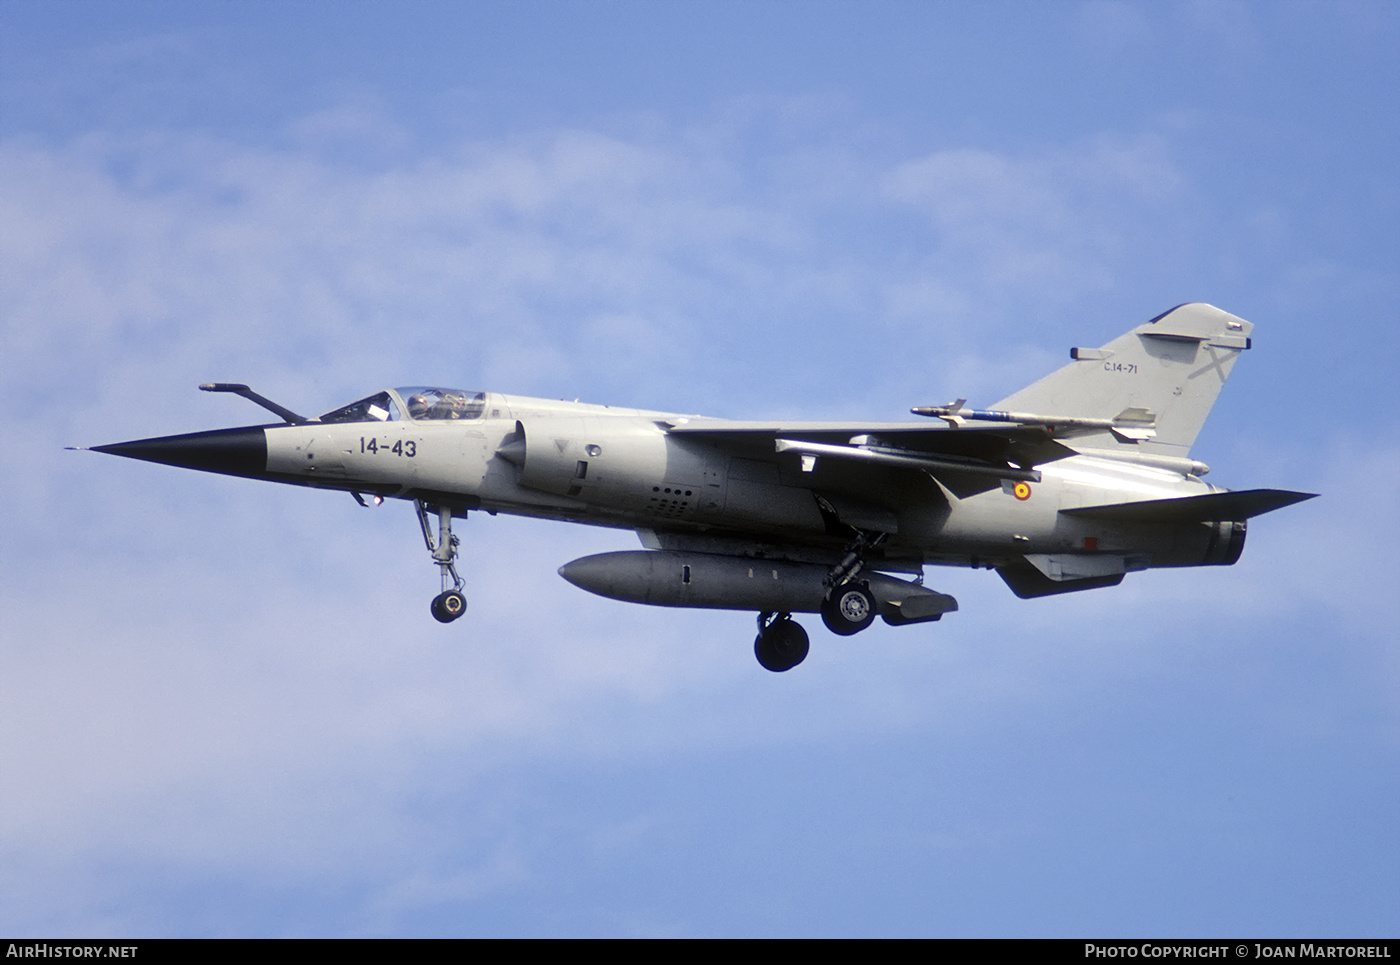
[(448, 606)]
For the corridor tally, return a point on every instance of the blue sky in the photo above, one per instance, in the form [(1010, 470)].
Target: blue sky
[(224, 709)]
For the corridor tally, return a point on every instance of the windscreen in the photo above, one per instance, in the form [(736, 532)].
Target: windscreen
[(376, 408)]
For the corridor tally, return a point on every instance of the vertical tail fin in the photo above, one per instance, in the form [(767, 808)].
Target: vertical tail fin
[(1168, 371)]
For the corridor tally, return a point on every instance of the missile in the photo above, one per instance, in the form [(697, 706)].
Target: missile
[(1132, 424), (709, 581)]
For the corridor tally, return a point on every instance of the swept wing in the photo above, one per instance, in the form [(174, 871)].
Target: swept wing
[(965, 460)]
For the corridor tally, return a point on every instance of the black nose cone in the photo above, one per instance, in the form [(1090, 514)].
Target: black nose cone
[(234, 452)]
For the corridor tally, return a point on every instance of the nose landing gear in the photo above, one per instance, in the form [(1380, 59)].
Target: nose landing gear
[(450, 603)]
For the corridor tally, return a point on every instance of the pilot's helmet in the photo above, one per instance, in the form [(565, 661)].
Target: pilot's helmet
[(418, 405)]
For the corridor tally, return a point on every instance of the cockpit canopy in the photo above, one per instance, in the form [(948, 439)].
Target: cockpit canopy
[(420, 402)]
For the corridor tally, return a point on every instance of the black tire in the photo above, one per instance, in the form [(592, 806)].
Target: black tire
[(781, 646), (849, 609), (448, 606)]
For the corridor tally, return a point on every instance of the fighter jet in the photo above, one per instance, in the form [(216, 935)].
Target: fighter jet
[(1066, 485)]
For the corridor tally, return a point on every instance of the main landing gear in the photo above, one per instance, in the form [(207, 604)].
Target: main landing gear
[(781, 643), (848, 608), (450, 603)]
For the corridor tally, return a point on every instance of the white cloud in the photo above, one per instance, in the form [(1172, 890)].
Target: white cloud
[(194, 254), (1053, 225)]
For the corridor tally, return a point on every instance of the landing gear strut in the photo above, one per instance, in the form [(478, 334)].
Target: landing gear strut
[(781, 643), (450, 603), (849, 607)]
